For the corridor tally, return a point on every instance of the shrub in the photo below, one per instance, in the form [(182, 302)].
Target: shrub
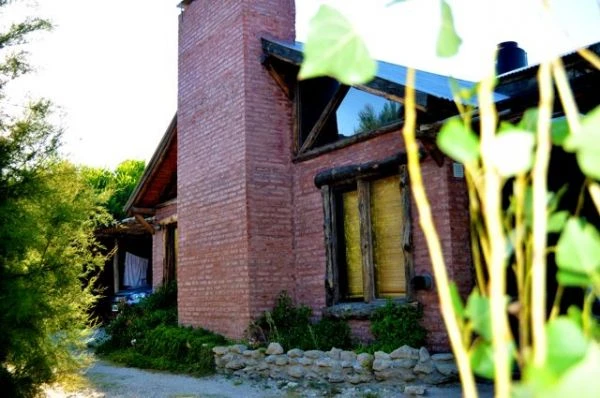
[(290, 326), (147, 336), (396, 325)]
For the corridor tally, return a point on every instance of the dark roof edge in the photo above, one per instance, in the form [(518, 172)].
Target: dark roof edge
[(153, 165), (508, 83)]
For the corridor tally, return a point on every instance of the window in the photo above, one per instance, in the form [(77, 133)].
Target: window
[(367, 237), (328, 111)]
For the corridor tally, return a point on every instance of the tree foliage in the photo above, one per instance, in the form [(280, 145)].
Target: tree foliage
[(370, 120), (116, 186), (48, 255)]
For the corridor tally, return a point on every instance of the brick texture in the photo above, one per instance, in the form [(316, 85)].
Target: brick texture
[(234, 184), (250, 219)]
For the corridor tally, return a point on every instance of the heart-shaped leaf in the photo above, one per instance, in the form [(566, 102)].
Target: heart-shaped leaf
[(333, 48), (448, 41)]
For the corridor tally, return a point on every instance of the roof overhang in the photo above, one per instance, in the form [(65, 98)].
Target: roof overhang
[(159, 181)]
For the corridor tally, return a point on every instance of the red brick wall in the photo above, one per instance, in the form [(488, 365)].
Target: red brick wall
[(448, 201), (233, 159), (251, 221)]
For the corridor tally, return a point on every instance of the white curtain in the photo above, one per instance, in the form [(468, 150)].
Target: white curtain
[(135, 270)]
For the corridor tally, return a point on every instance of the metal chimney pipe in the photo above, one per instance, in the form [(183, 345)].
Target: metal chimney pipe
[(510, 57)]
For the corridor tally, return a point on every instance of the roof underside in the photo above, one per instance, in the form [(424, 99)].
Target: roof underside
[(159, 181)]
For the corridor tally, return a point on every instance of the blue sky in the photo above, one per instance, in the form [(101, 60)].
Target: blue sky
[(111, 65)]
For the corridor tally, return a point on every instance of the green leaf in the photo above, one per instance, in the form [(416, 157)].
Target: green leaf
[(559, 130), (578, 249), (529, 120), (586, 143), (482, 359), (448, 41), (557, 221), (566, 344), (581, 380), (333, 48), (478, 311), (458, 142), (457, 303), (559, 127), (513, 152), (568, 278)]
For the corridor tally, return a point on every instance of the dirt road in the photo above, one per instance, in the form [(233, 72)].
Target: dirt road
[(110, 381)]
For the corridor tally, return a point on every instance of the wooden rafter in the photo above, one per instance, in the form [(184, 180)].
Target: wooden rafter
[(329, 109), (145, 223)]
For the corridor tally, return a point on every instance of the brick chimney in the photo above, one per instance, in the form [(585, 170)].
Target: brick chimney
[(234, 160)]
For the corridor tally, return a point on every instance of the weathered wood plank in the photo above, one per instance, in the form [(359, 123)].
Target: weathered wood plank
[(367, 135), (115, 265), (145, 223), (332, 287), (407, 247), (329, 109), (388, 165), (366, 239)]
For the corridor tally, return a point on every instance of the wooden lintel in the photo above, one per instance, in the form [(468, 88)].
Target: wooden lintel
[(366, 240), (329, 109), (168, 220), (143, 210), (340, 174), (145, 223)]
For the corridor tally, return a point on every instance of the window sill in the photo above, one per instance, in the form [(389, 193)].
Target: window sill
[(360, 310), (360, 137)]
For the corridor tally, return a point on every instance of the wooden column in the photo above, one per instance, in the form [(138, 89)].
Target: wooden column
[(331, 249), (409, 269), (116, 266), (366, 239)]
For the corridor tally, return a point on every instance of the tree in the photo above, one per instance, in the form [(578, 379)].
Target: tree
[(48, 255), (369, 120), (115, 186)]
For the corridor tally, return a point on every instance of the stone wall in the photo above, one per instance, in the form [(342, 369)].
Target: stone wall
[(401, 366)]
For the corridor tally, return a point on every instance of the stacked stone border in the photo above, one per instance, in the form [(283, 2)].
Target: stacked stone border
[(401, 366)]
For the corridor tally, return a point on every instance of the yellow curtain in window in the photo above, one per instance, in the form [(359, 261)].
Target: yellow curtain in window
[(387, 221), (352, 241)]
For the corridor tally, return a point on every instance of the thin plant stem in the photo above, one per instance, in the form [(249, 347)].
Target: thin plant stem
[(501, 338), (587, 311), (594, 190), (433, 241), (520, 231), (590, 57), (476, 245), (580, 198), (566, 95), (556, 304), (540, 216)]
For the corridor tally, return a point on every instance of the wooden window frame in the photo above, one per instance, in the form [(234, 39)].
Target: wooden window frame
[(306, 148), (330, 193)]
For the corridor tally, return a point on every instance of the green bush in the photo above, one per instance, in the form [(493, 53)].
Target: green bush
[(396, 325), (290, 326), (147, 336)]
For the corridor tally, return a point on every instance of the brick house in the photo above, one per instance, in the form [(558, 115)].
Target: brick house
[(263, 183)]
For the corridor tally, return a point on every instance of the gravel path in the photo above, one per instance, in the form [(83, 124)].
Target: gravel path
[(111, 381)]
